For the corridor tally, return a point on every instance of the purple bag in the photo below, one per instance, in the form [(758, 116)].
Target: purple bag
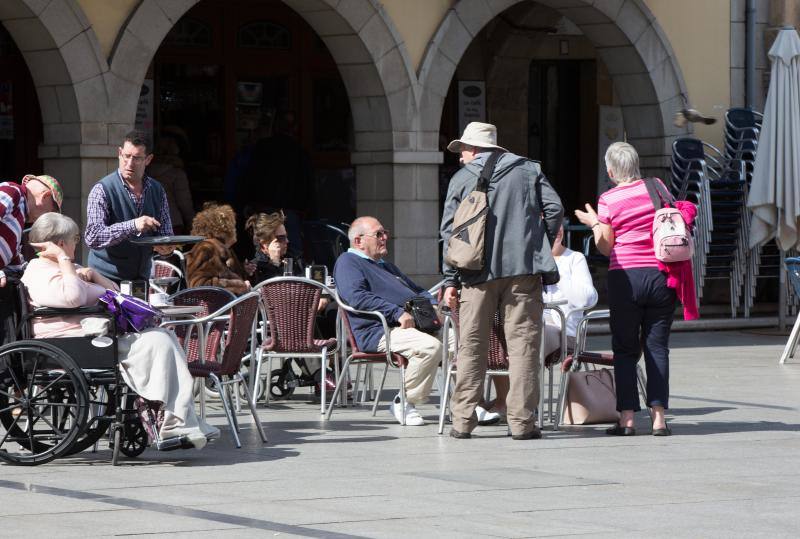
[(130, 313)]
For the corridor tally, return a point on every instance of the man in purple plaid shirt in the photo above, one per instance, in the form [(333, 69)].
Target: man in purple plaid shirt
[(127, 203)]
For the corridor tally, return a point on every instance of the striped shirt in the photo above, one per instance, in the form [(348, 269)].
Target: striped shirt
[(101, 233), (627, 208), (13, 212)]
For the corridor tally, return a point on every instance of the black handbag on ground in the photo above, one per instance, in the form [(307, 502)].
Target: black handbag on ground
[(425, 317)]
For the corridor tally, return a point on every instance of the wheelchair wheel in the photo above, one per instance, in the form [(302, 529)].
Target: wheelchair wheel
[(281, 386), (43, 402), (135, 439), (97, 425)]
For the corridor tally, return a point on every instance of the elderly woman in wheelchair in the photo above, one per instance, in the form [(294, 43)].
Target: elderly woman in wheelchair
[(151, 363)]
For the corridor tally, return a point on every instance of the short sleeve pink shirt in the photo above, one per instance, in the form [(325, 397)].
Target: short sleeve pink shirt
[(629, 211)]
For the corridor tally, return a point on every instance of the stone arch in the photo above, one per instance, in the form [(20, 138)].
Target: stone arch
[(371, 57), (70, 75), (628, 39)]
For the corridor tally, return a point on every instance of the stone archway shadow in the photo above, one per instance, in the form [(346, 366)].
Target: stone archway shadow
[(628, 39)]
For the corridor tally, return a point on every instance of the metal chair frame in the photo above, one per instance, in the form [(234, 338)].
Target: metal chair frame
[(346, 335), (222, 380)]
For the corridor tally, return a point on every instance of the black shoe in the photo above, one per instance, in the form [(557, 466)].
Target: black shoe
[(662, 432), (619, 430), (460, 435), (534, 434)]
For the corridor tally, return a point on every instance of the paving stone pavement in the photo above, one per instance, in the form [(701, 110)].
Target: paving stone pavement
[(728, 471)]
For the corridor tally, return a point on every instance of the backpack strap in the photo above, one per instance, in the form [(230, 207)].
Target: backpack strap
[(659, 195), (486, 173)]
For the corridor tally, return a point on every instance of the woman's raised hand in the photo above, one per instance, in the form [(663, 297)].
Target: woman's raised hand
[(49, 250), (588, 217)]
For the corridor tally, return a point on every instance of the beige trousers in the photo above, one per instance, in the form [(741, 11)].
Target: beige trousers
[(519, 300), (424, 353)]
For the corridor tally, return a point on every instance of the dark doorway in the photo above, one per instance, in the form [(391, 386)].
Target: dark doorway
[(20, 118), (230, 74), (562, 127)]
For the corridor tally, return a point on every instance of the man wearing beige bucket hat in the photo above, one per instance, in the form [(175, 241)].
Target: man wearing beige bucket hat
[(524, 214)]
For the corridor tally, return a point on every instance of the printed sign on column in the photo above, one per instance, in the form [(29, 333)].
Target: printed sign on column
[(471, 102)]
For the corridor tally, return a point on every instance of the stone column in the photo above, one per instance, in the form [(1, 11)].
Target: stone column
[(401, 189)]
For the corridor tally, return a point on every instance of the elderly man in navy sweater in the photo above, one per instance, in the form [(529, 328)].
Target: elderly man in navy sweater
[(367, 282)]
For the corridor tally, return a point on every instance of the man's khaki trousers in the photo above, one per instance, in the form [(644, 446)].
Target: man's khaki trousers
[(519, 300)]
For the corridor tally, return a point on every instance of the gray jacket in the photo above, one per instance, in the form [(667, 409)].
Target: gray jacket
[(519, 229)]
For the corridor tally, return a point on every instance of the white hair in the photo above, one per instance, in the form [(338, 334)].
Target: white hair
[(53, 227), (623, 162), (359, 227)]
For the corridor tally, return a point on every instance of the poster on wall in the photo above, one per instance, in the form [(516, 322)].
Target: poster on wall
[(471, 102), (6, 111), (611, 129), (144, 109)]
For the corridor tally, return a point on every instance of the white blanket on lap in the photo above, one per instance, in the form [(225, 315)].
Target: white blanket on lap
[(153, 365)]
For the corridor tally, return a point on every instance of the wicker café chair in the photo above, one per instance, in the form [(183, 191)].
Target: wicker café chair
[(291, 305), (360, 357), (211, 298), (223, 370)]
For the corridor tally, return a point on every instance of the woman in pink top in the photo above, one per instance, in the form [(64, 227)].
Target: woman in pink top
[(642, 306)]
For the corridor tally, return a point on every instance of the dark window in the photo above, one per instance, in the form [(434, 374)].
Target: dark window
[(264, 35), (189, 32)]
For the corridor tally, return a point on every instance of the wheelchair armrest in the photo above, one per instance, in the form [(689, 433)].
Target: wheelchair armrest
[(62, 311)]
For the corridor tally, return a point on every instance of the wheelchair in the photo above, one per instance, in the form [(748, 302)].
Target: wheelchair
[(60, 396)]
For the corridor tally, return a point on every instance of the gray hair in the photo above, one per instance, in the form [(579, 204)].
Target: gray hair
[(623, 162), (53, 227), (358, 227)]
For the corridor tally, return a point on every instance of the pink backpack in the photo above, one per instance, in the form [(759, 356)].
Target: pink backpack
[(672, 238)]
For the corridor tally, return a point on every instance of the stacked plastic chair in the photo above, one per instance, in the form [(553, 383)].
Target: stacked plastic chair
[(701, 174), (742, 129)]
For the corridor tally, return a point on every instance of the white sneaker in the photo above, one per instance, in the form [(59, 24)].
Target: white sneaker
[(485, 417), (413, 419)]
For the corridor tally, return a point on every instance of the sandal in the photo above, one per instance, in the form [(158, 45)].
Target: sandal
[(619, 430)]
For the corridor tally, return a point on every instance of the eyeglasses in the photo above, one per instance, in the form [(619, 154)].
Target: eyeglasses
[(135, 158), (378, 234), (283, 238)]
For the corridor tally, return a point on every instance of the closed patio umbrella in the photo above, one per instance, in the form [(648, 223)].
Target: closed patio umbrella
[(774, 196)]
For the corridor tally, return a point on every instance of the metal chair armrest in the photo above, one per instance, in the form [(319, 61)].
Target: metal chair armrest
[(377, 314)]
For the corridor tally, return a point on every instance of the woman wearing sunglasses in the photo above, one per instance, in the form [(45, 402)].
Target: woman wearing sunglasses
[(271, 243)]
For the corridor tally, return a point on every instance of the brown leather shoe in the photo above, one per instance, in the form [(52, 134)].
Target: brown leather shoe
[(534, 434), (460, 435)]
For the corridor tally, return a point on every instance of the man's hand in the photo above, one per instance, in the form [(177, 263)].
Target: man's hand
[(450, 297), (2, 281), (145, 223), (164, 250), (406, 321)]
